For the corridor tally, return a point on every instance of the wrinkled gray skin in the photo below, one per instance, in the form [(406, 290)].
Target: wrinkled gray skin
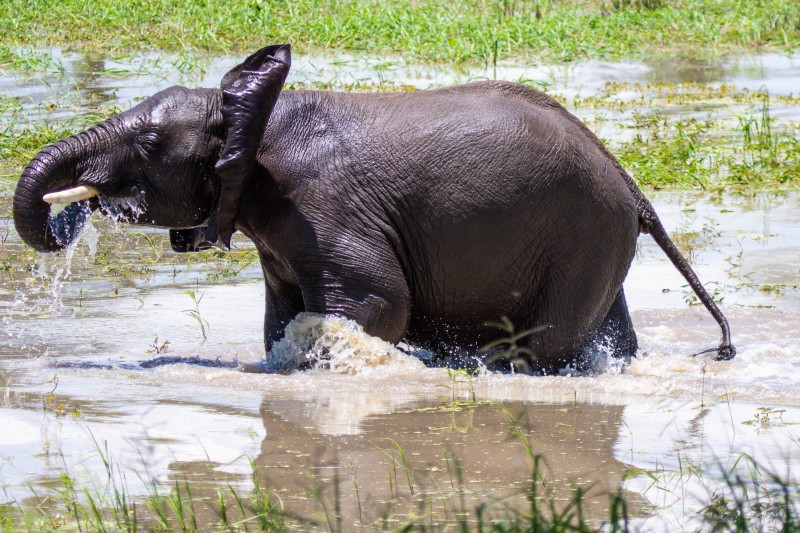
[(420, 215)]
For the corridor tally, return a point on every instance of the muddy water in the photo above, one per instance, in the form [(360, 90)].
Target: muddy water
[(380, 437)]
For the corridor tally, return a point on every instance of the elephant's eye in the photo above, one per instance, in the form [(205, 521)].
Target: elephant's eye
[(149, 143)]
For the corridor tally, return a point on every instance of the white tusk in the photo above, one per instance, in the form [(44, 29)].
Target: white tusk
[(68, 196)]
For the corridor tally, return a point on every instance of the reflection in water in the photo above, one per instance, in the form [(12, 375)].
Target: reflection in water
[(692, 452), (681, 70), (88, 72), (437, 462)]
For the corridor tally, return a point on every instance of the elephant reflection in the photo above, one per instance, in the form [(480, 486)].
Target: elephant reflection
[(439, 463)]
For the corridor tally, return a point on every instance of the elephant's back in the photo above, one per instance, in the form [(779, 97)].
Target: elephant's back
[(497, 135), (491, 152), (502, 138)]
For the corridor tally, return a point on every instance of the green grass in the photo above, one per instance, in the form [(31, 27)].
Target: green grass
[(18, 147), (740, 151), (427, 30), (22, 137), (29, 59)]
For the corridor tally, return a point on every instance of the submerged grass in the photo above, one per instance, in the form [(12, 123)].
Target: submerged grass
[(429, 30)]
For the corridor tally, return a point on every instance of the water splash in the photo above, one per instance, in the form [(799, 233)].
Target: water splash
[(123, 209), (89, 237), (601, 358), (335, 343), (55, 269), (12, 328), (68, 222)]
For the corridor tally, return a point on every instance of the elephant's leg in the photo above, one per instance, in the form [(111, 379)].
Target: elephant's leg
[(284, 300), (574, 311), (363, 282), (563, 340), (282, 306), (616, 331)]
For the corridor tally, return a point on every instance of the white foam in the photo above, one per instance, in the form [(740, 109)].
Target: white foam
[(56, 269), (337, 344)]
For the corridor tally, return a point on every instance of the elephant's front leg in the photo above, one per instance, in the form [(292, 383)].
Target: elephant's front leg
[(281, 308), (284, 300), (362, 282)]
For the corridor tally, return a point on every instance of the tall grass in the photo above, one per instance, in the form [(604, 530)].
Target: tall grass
[(430, 30), (109, 507)]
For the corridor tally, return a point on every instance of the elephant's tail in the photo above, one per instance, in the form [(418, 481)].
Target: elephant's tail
[(650, 223)]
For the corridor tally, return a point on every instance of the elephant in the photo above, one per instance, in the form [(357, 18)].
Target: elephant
[(424, 216)]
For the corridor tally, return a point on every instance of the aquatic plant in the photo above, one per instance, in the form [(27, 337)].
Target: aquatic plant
[(195, 313), (687, 152), (766, 152), (158, 348), (764, 417), (29, 59), (508, 348), (462, 380), (228, 265)]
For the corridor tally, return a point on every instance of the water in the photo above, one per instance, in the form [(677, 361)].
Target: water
[(76, 326), (84, 80)]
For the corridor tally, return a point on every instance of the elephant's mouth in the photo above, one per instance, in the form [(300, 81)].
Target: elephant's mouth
[(127, 208), (74, 206)]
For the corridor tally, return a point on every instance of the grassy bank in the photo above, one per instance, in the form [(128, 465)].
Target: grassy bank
[(429, 30)]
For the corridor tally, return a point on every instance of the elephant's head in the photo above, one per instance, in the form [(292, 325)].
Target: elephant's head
[(178, 160)]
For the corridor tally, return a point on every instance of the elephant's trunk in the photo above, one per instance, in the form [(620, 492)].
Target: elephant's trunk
[(55, 168)]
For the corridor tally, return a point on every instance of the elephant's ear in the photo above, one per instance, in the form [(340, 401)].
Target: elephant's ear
[(249, 92)]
